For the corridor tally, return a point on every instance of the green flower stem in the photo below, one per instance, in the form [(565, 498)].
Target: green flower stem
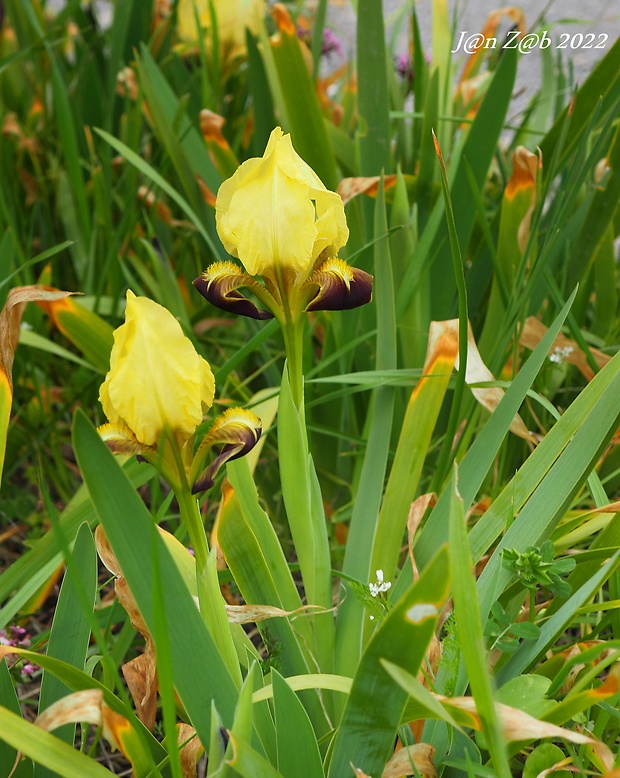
[(293, 331), (190, 515), (302, 497)]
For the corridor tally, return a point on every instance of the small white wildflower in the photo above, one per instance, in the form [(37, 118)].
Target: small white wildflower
[(560, 354), (380, 586)]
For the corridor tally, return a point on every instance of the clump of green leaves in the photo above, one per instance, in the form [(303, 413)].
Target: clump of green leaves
[(537, 567), (507, 632)]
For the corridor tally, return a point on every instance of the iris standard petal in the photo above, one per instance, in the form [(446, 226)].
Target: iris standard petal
[(275, 214), (157, 381)]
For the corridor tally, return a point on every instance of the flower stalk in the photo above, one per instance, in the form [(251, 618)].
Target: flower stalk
[(155, 396)]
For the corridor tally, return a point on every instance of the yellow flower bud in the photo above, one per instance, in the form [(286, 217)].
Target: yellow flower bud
[(276, 215), (233, 16), (157, 381)]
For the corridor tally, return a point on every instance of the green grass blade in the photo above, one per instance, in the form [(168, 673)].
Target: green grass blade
[(459, 277), (217, 620), (264, 118), (604, 82), (372, 90), (305, 120), (477, 154), (298, 751), (128, 526), (8, 700), (34, 567), (70, 633), (248, 763), (480, 457), (376, 703), (551, 489), (65, 118), (362, 530), (414, 441), (306, 519), (48, 750), (161, 182), (258, 565), (470, 637)]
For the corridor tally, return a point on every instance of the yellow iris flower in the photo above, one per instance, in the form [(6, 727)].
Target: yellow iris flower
[(233, 16), (274, 213), (157, 391), (277, 217), (157, 382)]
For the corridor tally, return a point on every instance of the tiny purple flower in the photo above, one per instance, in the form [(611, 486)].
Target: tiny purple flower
[(404, 66), (331, 43)]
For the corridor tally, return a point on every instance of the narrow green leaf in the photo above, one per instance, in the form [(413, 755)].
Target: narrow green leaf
[(422, 703), (8, 699), (298, 751), (70, 633), (372, 90), (602, 81), (306, 518), (46, 749), (477, 154), (248, 763), (264, 118), (128, 526), (217, 620), (258, 565), (303, 111), (65, 120), (362, 529), (480, 457), (159, 181), (34, 567), (469, 631), (374, 708)]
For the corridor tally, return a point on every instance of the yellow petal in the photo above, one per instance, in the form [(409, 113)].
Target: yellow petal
[(274, 213), (233, 16), (157, 381)]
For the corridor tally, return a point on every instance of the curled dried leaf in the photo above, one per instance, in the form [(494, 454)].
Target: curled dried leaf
[(245, 614), (412, 760), (86, 705), (191, 750), (10, 320), (534, 331), (517, 725)]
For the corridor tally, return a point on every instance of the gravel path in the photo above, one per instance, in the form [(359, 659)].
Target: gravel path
[(568, 17)]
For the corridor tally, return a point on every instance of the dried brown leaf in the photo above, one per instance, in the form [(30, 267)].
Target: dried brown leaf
[(141, 677), (534, 331), (517, 725), (191, 751), (416, 513), (349, 188), (10, 320), (245, 614), (87, 705), (420, 754), (477, 372)]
